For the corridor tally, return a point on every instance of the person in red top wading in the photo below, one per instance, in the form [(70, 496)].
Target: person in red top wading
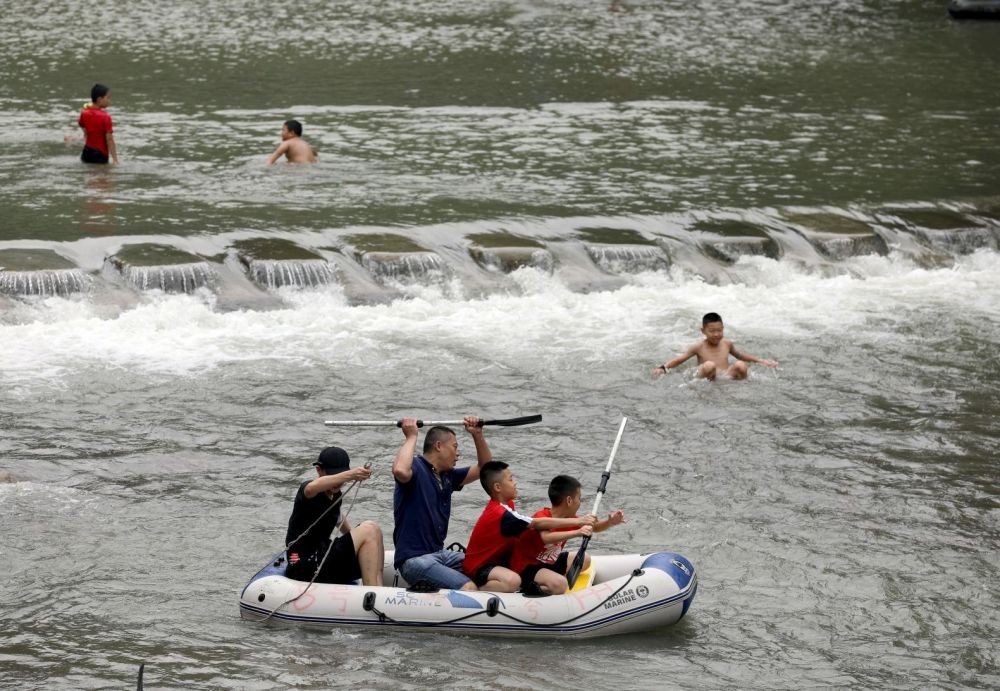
[(498, 528), (99, 140), (538, 557)]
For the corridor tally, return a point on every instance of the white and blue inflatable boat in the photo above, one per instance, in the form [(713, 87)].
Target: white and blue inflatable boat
[(617, 594)]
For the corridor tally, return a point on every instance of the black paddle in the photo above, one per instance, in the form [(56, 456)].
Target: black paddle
[(508, 422), (574, 570)]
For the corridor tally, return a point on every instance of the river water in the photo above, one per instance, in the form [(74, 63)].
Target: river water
[(520, 207)]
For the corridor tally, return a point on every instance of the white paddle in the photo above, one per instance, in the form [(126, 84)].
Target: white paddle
[(577, 566)]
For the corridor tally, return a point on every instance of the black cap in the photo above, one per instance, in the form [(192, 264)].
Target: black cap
[(333, 459)]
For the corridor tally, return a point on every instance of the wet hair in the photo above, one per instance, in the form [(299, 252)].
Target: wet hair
[(562, 486), (436, 434), (491, 472), (294, 126), (97, 91), (710, 318)]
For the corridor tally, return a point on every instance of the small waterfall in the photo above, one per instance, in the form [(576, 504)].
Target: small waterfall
[(405, 267), (177, 278), (508, 259), (959, 240), (846, 246), (44, 283), (582, 253), (729, 250), (273, 274), (630, 259), (942, 228)]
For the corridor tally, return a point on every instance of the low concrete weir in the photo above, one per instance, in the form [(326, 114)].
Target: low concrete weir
[(730, 250), (506, 252), (43, 283), (727, 240), (390, 257), (628, 259), (622, 250), (39, 272), (162, 267), (838, 237), (280, 273), (584, 254), (178, 278), (943, 229), (405, 267), (846, 246), (959, 240), (273, 263), (509, 259)]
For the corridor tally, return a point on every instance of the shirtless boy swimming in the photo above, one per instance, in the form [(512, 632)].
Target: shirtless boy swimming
[(713, 354), (293, 146)]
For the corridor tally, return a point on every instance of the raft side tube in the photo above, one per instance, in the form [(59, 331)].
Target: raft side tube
[(674, 565), (275, 567)]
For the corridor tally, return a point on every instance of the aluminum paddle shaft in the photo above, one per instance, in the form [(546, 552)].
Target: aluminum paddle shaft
[(574, 570)]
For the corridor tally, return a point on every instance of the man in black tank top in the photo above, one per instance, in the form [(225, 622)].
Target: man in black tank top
[(355, 553)]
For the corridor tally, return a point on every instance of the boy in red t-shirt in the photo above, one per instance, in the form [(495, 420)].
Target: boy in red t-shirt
[(538, 557), (498, 528), (99, 140)]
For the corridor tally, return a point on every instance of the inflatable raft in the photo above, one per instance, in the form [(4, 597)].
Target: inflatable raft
[(617, 594)]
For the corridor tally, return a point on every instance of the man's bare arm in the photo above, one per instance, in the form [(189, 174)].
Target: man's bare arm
[(278, 153), (402, 464), (483, 453)]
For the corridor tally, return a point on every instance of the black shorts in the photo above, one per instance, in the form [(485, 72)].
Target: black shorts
[(559, 566), (340, 567), (92, 155), (483, 575)]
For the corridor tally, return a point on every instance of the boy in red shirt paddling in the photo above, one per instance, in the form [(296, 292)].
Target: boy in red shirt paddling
[(496, 532), (538, 557), (99, 140)]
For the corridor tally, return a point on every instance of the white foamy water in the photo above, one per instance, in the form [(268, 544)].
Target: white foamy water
[(544, 325)]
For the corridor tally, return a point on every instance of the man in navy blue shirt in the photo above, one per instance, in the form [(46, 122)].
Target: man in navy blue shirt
[(421, 504)]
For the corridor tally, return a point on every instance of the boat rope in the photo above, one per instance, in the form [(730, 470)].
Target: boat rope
[(492, 610), (343, 517), (334, 504)]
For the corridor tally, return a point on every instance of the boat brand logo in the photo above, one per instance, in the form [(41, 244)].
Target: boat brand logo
[(642, 591), (407, 599), (622, 598), (681, 566)]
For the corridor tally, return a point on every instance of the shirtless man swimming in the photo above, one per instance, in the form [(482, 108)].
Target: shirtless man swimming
[(713, 354), (293, 146)]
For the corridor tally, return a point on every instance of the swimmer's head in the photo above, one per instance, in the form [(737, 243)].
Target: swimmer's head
[(293, 128), (711, 327)]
